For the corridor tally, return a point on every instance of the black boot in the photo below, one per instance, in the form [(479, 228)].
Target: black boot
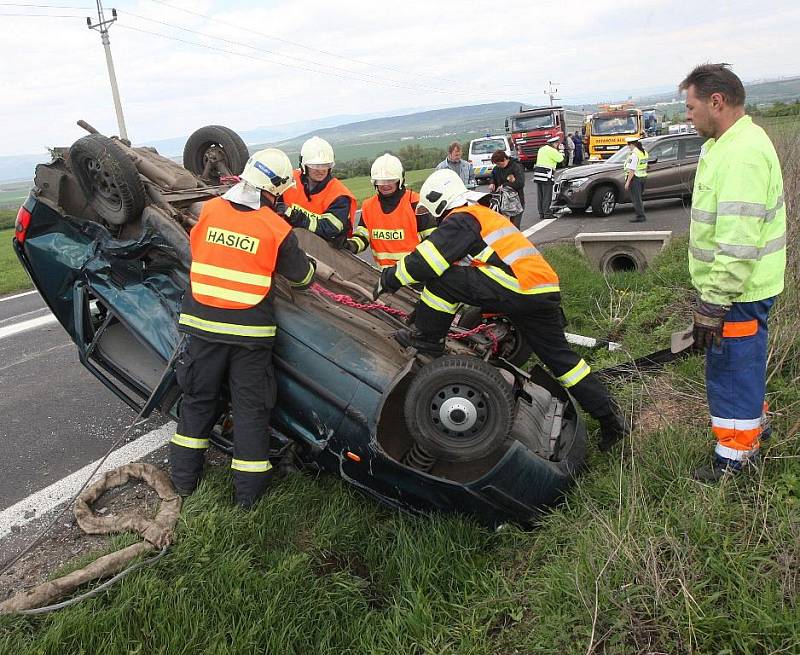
[(613, 427), (412, 339)]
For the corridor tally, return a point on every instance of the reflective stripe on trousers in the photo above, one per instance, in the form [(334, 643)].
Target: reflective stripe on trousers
[(736, 380)]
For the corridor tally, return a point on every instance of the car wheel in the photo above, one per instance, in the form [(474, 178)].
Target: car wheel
[(513, 346), (459, 409), (604, 199), (109, 178), (215, 151)]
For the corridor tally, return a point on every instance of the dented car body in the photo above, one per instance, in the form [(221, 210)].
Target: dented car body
[(469, 433)]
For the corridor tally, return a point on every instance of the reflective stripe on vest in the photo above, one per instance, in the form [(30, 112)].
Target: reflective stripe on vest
[(234, 254), (319, 202), (532, 273), (393, 235)]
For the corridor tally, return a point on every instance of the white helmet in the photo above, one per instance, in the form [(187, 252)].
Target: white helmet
[(316, 151), (270, 170), (443, 190), (387, 168)]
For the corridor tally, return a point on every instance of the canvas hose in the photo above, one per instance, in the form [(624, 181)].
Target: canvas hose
[(157, 533)]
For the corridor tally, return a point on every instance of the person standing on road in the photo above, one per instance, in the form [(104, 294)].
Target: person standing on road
[(509, 173), (569, 150), (577, 141), (497, 269), (237, 245), (547, 158), (737, 260), (319, 202), (459, 166), (635, 176), (389, 225)]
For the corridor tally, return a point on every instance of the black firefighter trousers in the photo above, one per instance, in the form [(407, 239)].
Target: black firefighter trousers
[(539, 317), (202, 370)]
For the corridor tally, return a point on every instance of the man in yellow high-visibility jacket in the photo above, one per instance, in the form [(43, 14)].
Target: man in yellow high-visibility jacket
[(547, 158), (737, 258)]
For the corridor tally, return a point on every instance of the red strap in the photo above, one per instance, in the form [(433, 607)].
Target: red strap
[(739, 328)]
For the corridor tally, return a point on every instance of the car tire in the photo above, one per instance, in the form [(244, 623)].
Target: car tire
[(195, 152), (109, 179), (514, 347), (604, 200), (459, 409)]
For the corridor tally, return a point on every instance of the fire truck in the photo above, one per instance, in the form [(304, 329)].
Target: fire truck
[(530, 129)]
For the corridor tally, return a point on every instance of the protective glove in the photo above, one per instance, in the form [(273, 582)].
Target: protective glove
[(294, 218), (708, 321), (387, 283), (350, 246)]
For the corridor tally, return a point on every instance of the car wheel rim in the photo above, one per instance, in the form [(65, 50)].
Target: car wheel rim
[(103, 184), (458, 409), (608, 202)]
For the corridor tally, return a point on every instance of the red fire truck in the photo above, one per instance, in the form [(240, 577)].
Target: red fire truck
[(530, 129)]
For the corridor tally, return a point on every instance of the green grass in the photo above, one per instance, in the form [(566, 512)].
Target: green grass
[(639, 558), (12, 194), (12, 276), (362, 186)]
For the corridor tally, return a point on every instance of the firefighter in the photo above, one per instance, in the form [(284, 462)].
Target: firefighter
[(547, 158), (636, 176), (497, 269), (238, 245), (737, 260), (318, 201), (389, 225)]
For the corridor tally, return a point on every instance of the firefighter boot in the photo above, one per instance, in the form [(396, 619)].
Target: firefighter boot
[(413, 339), (722, 467)]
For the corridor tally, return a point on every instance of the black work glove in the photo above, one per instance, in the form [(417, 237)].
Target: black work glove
[(281, 208), (350, 246), (708, 320), (387, 283)]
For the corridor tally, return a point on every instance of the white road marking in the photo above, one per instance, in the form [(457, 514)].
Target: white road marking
[(40, 503), (33, 356), (538, 226), (11, 330), (19, 316), (19, 295)]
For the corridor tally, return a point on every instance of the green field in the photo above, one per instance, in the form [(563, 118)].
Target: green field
[(12, 276), (638, 559), (362, 186), (12, 194)]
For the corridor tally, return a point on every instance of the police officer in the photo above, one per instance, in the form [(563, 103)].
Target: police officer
[(498, 270), (635, 176), (547, 158), (238, 245), (318, 201), (388, 222), (737, 259)]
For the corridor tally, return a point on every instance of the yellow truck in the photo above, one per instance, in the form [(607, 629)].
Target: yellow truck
[(607, 129)]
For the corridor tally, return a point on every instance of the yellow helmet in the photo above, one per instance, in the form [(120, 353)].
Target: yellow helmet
[(444, 189), (269, 170)]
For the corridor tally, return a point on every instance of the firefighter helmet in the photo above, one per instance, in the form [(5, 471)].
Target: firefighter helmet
[(443, 190), (269, 170), (316, 152), (387, 168)]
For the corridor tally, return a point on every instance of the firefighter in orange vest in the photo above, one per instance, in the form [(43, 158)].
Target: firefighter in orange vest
[(389, 224), (319, 202), (238, 245), (497, 269)]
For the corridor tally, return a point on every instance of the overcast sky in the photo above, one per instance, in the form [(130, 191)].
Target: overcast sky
[(308, 59)]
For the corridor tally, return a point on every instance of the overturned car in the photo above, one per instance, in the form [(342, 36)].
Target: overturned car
[(104, 237)]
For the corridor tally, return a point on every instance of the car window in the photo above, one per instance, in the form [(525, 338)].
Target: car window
[(691, 147), (487, 147), (667, 151)]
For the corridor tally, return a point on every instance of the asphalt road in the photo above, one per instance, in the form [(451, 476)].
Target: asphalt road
[(55, 417)]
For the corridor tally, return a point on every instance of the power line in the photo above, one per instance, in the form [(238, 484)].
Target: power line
[(303, 46), (312, 70)]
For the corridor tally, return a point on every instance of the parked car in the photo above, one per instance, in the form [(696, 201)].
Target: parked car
[(480, 154), (106, 246), (601, 187)]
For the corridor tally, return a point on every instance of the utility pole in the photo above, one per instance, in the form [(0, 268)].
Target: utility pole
[(551, 91), (102, 25)]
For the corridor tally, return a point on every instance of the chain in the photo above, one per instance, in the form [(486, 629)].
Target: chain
[(344, 299)]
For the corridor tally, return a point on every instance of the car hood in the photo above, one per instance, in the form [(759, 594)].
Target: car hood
[(588, 170)]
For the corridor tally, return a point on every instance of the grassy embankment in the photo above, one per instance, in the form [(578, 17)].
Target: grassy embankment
[(638, 559)]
